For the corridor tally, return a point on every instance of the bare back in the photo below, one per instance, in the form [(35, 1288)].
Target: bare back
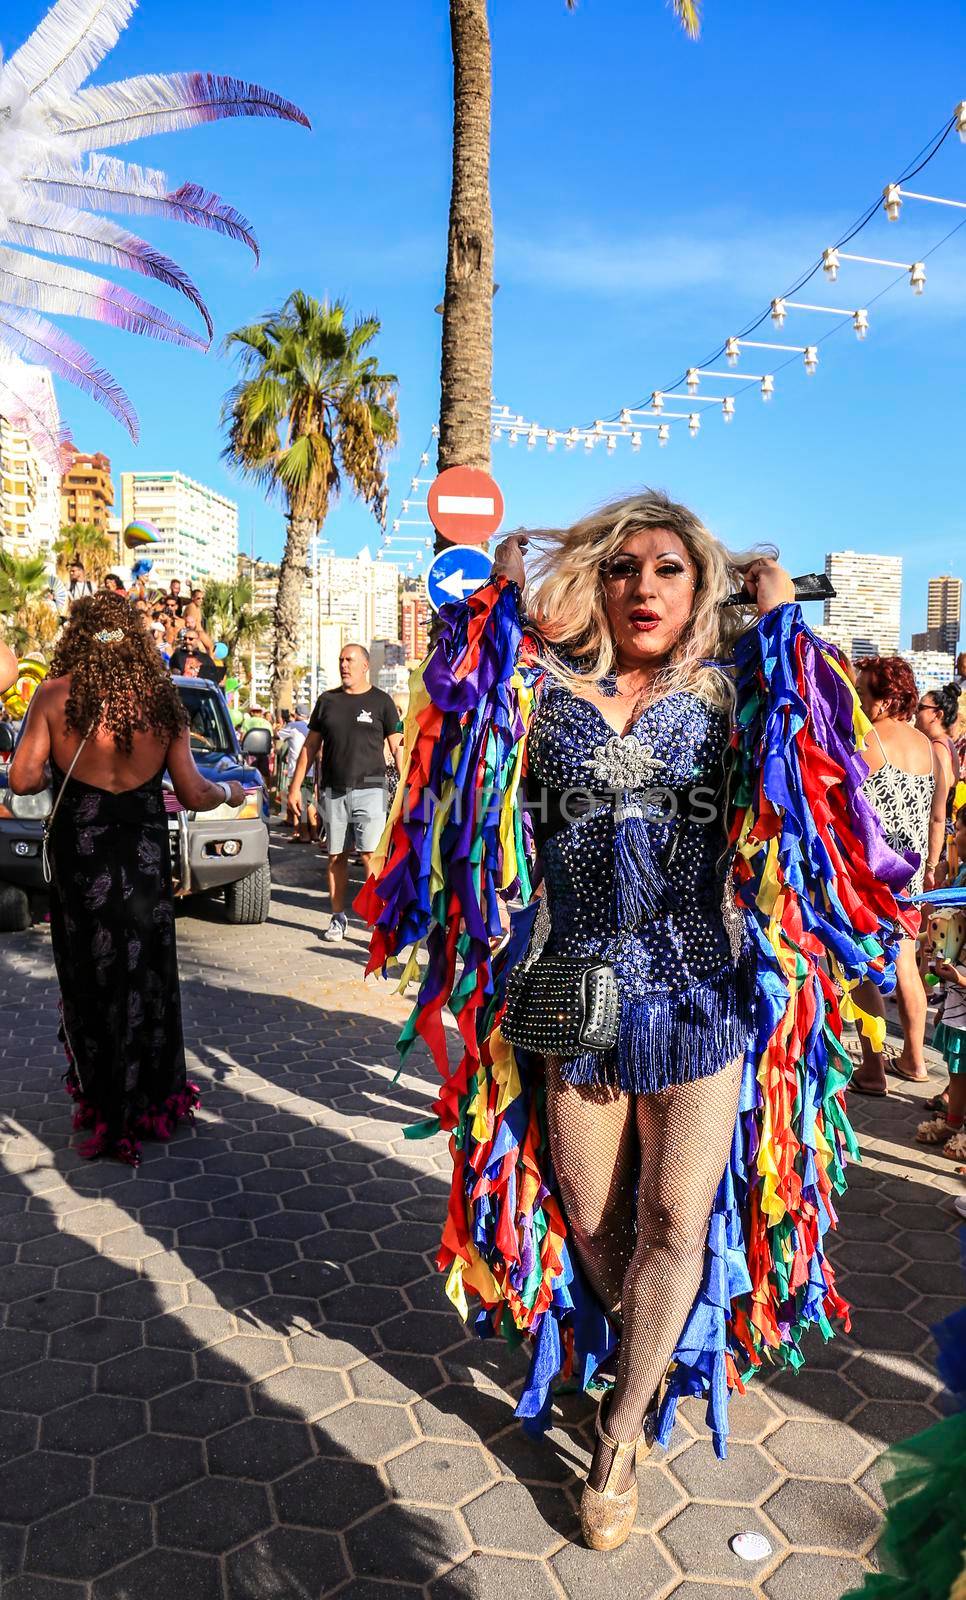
[(101, 763), (902, 745)]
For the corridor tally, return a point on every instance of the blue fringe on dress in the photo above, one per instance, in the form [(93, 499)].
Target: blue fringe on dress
[(674, 1036)]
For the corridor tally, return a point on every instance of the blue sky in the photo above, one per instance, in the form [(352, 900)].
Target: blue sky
[(650, 194)]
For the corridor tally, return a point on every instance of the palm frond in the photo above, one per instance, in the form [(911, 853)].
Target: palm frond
[(107, 183), (116, 113), (36, 339), (63, 231), (49, 286), (29, 406), (47, 123), (688, 13), (73, 38)]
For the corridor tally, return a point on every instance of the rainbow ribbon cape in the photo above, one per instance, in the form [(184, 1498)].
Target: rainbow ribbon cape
[(821, 893)]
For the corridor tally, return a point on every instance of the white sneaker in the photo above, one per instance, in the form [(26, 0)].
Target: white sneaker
[(336, 931)]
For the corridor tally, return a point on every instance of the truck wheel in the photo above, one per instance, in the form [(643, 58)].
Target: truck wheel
[(249, 900), (14, 909)]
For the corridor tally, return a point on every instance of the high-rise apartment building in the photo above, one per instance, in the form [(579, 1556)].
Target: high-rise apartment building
[(29, 483), (415, 617), (362, 594), (198, 526), (944, 611), (868, 597), (86, 491)]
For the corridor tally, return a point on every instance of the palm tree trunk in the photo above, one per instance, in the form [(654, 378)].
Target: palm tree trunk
[(288, 610), (467, 357)]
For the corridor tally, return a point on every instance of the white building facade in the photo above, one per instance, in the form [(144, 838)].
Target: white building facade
[(362, 594), (198, 526), (29, 479), (932, 669), (867, 604)]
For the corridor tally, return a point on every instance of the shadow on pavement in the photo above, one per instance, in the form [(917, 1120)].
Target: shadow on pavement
[(248, 1336)]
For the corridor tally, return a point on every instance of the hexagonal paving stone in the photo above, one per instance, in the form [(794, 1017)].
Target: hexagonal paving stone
[(241, 1359), (44, 1386), (323, 1495), (423, 1332), (412, 1544), (509, 1516), (310, 1563), (885, 1422), (161, 1574), (745, 1476), (397, 1377), (891, 1375), (93, 1424), (39, 1483), (438, 1473), (199, 1409), (330, 1348), (213, 1515), (392, 1267), (820, 1577), (698, 1540), (813, 1393), (18, 1348), (308, 1392), (816, 1449), (149, 1468), (828, 1515), (639, 1567), (58, 1308), (97, 1339), (873, 1291), (260, 1448), (189, 1328), (494, 1575), (133, 1244), (364, 1431), (142, 1374), (84, 1540), (27, 1587)]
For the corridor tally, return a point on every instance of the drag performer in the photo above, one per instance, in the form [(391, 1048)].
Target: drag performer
[(647, 1122)]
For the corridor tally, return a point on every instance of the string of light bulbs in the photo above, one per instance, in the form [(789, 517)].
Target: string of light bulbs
[(400, 537), (653, 416)]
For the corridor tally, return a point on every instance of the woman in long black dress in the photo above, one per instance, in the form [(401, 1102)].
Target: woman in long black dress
[(109, 721)]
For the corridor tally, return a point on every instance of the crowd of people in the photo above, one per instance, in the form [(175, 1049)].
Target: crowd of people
[(917, 758)]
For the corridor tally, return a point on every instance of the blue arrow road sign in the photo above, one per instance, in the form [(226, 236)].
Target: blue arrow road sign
[(455, 573)]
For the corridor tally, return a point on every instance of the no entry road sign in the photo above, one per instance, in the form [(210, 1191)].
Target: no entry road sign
[(456, 573), (465, 505)]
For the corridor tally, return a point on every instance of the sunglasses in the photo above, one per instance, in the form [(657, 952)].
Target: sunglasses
[(927, 705)]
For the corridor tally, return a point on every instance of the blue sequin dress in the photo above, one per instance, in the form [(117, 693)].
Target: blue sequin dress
[(685, 971)]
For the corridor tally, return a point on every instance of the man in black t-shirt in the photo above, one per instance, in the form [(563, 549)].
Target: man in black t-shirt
[(350, 726)]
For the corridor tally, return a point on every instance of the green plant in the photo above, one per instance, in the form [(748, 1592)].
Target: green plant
[(311, 405)]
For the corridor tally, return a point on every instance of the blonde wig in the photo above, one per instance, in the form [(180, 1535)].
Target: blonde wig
[(566, 604)]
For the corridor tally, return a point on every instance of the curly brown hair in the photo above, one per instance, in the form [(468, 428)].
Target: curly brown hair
[(123, 675), (891, 680)]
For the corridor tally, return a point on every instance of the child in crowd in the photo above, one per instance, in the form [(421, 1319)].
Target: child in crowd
[(950, 1034)]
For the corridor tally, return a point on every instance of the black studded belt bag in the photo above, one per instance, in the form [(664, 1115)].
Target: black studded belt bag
[(562, 1007)]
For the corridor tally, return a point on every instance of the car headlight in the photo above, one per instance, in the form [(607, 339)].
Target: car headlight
[(31, 807), (251, 807)]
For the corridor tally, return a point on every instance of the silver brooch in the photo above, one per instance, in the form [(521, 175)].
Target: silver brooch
[(625, 762)]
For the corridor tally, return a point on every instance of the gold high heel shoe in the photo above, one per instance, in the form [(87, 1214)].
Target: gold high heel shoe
[(606, 1517)]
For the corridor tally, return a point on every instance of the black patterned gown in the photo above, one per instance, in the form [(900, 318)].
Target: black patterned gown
[(112, 926)]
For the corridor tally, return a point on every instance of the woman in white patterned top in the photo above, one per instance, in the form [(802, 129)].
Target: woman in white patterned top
[(906, 787)]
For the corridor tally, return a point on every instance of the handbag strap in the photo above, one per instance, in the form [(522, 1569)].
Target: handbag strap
[(49, 821)]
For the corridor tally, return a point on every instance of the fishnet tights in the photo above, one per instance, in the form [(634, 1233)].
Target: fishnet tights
[(672, 1147)]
